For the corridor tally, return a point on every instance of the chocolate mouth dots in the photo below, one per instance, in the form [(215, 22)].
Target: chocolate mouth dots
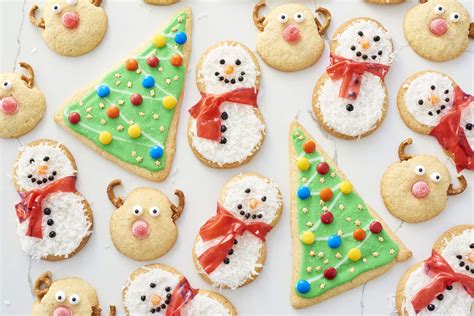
[(41, 175), (434, 100), (230, 74), (158, 303), (363, 45), (252, 208)]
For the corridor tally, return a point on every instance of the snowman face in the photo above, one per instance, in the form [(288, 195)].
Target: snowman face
[(467, 123), (41, 164), (459, 253), (150, 292), (365, 41), (429, 98), (252, 199), (228, 67)]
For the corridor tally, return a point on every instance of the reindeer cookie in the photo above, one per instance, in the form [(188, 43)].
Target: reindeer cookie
[(444, 283), (71, 27), (416, 188), (438, 30), (161, 2), (350, 100), (289, 37), (143, 226), (158, 289), (54, 219), (65, 297), (230, 250), (22, 105), (385, 1), (226, 128)]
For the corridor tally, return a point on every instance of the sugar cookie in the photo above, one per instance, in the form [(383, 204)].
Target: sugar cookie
[(161, 2)]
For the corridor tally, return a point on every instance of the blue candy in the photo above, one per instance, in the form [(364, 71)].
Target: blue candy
[(156, 152), (303, 286), (334, 241), (148, 82), (304, 192), (103, 90), (180, 38)]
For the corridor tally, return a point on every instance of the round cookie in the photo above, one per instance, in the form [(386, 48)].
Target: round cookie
[(159, 289), (416, 189), (161, 2), (54, 221), (230, 250), (226, 128), (289, 37), (143, 225), (438, 30), (71, 27), (350, 100), (22, 105), (453, 251), (385, 1)]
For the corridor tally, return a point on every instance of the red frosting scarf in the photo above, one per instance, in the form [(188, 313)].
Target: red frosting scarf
[(207, 113), (30, 204), (226, 226), (182, 295), (351, 74)]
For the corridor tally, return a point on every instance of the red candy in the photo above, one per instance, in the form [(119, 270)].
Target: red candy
[(131, 64), (291, 34), (9, 105), (330, 273), (136, 99), (359, 234), (153, 61), (327, 217), (176, 60), (70, 20), (309, 147), (113, 112), (322, 168), (325, 194), (375, 227), (74, 117)]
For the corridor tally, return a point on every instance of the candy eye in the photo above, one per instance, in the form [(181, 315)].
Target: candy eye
[(455, 17), (137, 210), (60, 296), (56, 8), (154, 211), (436, 177), (7, 85), (283, 18), (71, 2), (74, 299), (420, 170), (439, 9), (299, 17)]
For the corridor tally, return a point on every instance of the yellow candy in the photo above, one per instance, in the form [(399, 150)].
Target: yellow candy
[(159, 41), (345, 187), (169, 102), (105, 137), (303, 164), (307, 237), (134, 131), (354, 254)]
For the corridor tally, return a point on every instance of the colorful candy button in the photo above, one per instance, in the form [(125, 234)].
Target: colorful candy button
[(169, 102), (327, 217), (309, 147), (176, 60), (330, 273), (153, 61), (303, 286), (359, 234), (113, 112), (325, 194), (180, 38), (375, 227), (354, 254), (9, 105), (156, 152), (304, 192), (148, 82), (307, 237), (105, 137), (134, 131), (303, 164), (159, 40), (322, 168), (131, 64), (103, 90), (334, 241), (345, 187), (136, 99), (74, 117)]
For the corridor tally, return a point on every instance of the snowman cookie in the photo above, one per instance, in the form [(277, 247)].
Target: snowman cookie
[(290, 37), (444, 283), (54, 219), (350, 100), (416, 189), (22, 105), (71, 27), (65, 297), (143, 225), (438, 30), (230, 249), (226, 128), (158, 289)]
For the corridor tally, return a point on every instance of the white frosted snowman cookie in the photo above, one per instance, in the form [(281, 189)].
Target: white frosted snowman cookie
[(230, 250), (226, 128), (350, 100), (54, 219), (158, 289), (444, 283)]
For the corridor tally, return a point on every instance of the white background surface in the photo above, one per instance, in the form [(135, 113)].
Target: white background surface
[(283, 97)]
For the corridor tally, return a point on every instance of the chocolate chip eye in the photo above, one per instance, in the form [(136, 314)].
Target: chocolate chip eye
[(374, 57), (46, 158), (420, 102), (380, 53), (446, 91), (247, 190), (430, 113), (353, 47), (430, 307), (238, 62), (360, 33), (471, 246), (376, 38), (143, 298), (358, 54), (259, 216), (222, 61), (243, 73), (152, 285), (433, 87), (216, 73), (469, 128), (167, 289), (349, 107), (446, 100), (264, 198), (239, 206)]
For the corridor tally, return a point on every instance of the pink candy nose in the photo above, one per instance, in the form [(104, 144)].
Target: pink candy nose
[(439, 27), (140, 229), (62, 311), (420, 189), (9, 105), (291, 34), (70, 20)]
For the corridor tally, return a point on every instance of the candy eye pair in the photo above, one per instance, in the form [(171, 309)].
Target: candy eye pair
[(298, 17), (57, 7), (435, 176), (7, 85), (60, 296), (454, 17), (154, 211)]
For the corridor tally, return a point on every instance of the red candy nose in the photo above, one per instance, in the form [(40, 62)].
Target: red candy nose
[(9, 105), (140, 229), (420, 189), (70, 20), (62, 311), (291, 34), (439, 27)]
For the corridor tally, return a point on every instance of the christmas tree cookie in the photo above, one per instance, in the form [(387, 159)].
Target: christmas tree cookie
[(339, 242), (130, 115)]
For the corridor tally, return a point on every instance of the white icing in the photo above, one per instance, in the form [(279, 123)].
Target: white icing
[(455, 301), (244, 135), (204, 305), (420, 89), (70, 226), (467, 116), (368, 107), (350, 37)]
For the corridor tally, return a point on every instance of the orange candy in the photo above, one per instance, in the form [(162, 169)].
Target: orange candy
[(359, 234), (176, 60), (131, 64), (325, 194), (309, 147), (113, 111)]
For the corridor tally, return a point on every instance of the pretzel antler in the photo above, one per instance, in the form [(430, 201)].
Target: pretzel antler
[(40, 22), (31, 79), (258, 20), (322, 28), (460, 189), (401, 149), (178, 210), (42, 284), (117, 201), (97, 3)]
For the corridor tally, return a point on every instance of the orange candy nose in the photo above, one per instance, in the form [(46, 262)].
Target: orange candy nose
[(155, 300), (365, 44), (253, 203), (434, 99), (42, 169), (470, 257), (229, 70)]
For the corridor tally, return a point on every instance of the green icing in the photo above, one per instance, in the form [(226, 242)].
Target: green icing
[(153, 119), (351, 215)]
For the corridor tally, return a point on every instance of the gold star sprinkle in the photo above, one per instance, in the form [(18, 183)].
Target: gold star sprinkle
[(141, 114), (176, 78), (351, 270), (101, 105), (320, 254), (129, 84), (297, 133), (118, 82), (318, 268), (81, 103), (321, 180), (152, 93), (117, 76), (139, 159), (326, 261), (175, 46), (321, 202), (309, 224), (357, 222), (325, 209), (322, 286), (304, 179), (102, 121), (392, 251), (309, 269), (341, 207), (338, 255), (157, 163), (88, 116), (155, 116), (360, 207), (304, 210), (340, 233), (89, 109), (174, 29), (348, 219), (333, 174), (162, 128), (312, 253), (133, 153), (120, 128), (375, 254), (168, 81), (180, 19), (160, 69), (380, 239), (120, 102), (139, 71), (364, 260), (130, 122)]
